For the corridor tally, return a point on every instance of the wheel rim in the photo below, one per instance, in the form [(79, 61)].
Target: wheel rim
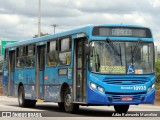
[(68, 100), (20, 98)]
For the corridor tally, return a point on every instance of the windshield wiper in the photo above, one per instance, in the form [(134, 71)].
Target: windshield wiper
[(120, 54), (115, 49), (134, 52)]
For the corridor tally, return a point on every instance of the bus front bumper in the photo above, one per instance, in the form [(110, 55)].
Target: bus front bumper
[(95, 97)]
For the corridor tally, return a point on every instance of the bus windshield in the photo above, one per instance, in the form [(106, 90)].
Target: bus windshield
[(114, 57)]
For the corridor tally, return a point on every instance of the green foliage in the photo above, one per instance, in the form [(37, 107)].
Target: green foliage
[(158, 70)]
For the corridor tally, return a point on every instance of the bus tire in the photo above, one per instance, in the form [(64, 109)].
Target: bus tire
[(121, 108), (31, 103), (61, 105), (21, 97), (68, 105)]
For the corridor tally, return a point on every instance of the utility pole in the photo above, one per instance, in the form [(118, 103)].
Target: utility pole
[(39, 18), (54, 25)]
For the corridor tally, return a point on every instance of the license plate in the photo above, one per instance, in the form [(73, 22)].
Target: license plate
[(127, 98)]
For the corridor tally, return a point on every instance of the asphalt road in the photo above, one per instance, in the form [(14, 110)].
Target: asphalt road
[(51, 111)]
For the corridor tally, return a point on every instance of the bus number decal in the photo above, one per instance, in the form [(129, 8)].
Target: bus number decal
[(139, 87)]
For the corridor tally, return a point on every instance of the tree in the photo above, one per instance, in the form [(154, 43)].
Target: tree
[(158, 70)]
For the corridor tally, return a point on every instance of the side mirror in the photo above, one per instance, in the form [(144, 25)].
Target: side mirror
[(87, 49)]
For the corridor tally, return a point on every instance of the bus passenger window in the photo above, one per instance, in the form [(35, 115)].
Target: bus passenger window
[(30, 50), (64, 58), (52, 59), (52, 54), (65, 51), (30, 61), (20, 60)]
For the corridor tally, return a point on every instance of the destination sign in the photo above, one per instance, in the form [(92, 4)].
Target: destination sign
[(122, 32)]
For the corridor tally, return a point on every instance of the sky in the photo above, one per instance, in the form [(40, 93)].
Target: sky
[(19, 18)]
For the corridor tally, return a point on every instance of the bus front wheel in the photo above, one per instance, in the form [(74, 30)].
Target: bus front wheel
[(68, 105), (121, 108)]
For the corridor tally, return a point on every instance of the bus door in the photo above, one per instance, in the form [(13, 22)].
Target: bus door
[(11, 72), (79, 84), (40, 67)]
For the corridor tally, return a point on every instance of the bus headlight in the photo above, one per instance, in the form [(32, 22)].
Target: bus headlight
[(100, 89), (153, 86), (150, 88), (93, 86)]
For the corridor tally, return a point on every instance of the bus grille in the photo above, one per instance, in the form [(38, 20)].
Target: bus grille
[(116, 98), (128, 81)]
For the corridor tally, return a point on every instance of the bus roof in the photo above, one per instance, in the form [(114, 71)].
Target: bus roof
[(82, 29)]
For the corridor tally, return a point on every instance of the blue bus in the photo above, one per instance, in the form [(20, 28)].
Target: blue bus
[(95, 65)]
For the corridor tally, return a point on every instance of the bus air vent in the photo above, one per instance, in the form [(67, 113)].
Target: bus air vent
[(125, 81)]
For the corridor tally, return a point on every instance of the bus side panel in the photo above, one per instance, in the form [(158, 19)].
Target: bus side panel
[(52, 93), (51, 85), (19, 76), (12, 84), (64, 78), (30, 92), (41, 77), (5, 82), (27, 78)]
